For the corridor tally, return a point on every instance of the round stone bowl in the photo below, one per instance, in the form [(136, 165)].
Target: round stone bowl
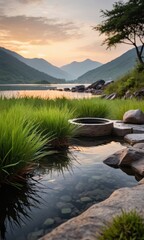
[(92, 127)]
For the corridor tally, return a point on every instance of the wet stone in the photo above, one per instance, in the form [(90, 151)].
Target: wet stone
[(49, 222), (35, 235), (66, 210), (85, 199)]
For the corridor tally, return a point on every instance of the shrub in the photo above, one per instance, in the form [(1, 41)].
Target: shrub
[(127, 226)]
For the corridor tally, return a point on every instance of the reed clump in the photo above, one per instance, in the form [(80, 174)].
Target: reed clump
[(21, 144)]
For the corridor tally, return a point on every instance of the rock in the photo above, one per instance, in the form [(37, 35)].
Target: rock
[(79, 88), (139, 167), (134, 138), (139, 145), (87, 225), (121, 131), (125, 157), (85, 199), (66, 210), (96, 85), (114, 159), (111, 96), (49, 222), (128, 95), (134, 116), (139, 94), (35, 235)]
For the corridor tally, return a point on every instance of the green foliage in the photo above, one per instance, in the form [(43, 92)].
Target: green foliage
[(53, 122), (20, 144), (127, 226), (130, 82), (124, 24), (91, 108), (120, 106)]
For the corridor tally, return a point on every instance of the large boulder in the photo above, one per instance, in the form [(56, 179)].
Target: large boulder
[(134, 116), (128, 157), (96, 85)]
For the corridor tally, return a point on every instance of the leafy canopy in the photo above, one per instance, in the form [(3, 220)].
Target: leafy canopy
[(124, 24)]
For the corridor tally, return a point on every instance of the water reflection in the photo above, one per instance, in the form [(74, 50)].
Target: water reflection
[(44, 94), (15, 205), (62, 187)]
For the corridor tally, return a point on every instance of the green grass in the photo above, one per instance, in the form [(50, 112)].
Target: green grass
[(94, 107), (53, 122), (127, 226), (20, 144), (131, 82)]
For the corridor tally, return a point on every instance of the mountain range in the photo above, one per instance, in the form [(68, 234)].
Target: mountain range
[(111, 70), (76, 69), (41, 65), (16, 69)]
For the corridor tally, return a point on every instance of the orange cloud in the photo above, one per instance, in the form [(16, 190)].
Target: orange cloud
[(36, 30)]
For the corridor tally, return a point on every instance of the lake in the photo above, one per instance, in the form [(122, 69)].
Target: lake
[(61, 187), (46, 91)]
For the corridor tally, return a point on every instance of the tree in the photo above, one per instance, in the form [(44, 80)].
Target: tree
[(124, 24)]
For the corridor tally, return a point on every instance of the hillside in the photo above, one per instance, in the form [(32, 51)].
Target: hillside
[(14, 71), (79, 68), (111, 70), (41, 65)]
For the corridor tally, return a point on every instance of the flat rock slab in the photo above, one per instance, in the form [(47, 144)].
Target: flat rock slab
[(87, 225), (137, 128), (134, 138)]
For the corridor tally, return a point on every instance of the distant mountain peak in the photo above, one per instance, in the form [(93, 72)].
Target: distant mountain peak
[(79, 68)]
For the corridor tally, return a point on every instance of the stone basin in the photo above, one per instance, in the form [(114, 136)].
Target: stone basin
[(92, 127)]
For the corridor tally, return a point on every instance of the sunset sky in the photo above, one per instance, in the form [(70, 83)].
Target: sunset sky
[(59, 31)]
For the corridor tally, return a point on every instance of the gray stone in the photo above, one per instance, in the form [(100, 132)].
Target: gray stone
[(49, 222), (87, 225), (121, 131), (136, 128), (134, 138), (35, 235), (85, 199), (139, 145), (134, 116), (66, 210), (129, 157)]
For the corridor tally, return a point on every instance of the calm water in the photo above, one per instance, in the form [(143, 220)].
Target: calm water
[(40, 90), (61, 189)]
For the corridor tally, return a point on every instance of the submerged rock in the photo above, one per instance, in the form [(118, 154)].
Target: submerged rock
[(85, 199), (49, 222), (66, 210)]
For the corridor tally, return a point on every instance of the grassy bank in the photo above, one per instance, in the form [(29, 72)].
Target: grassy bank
[(132, 82)]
